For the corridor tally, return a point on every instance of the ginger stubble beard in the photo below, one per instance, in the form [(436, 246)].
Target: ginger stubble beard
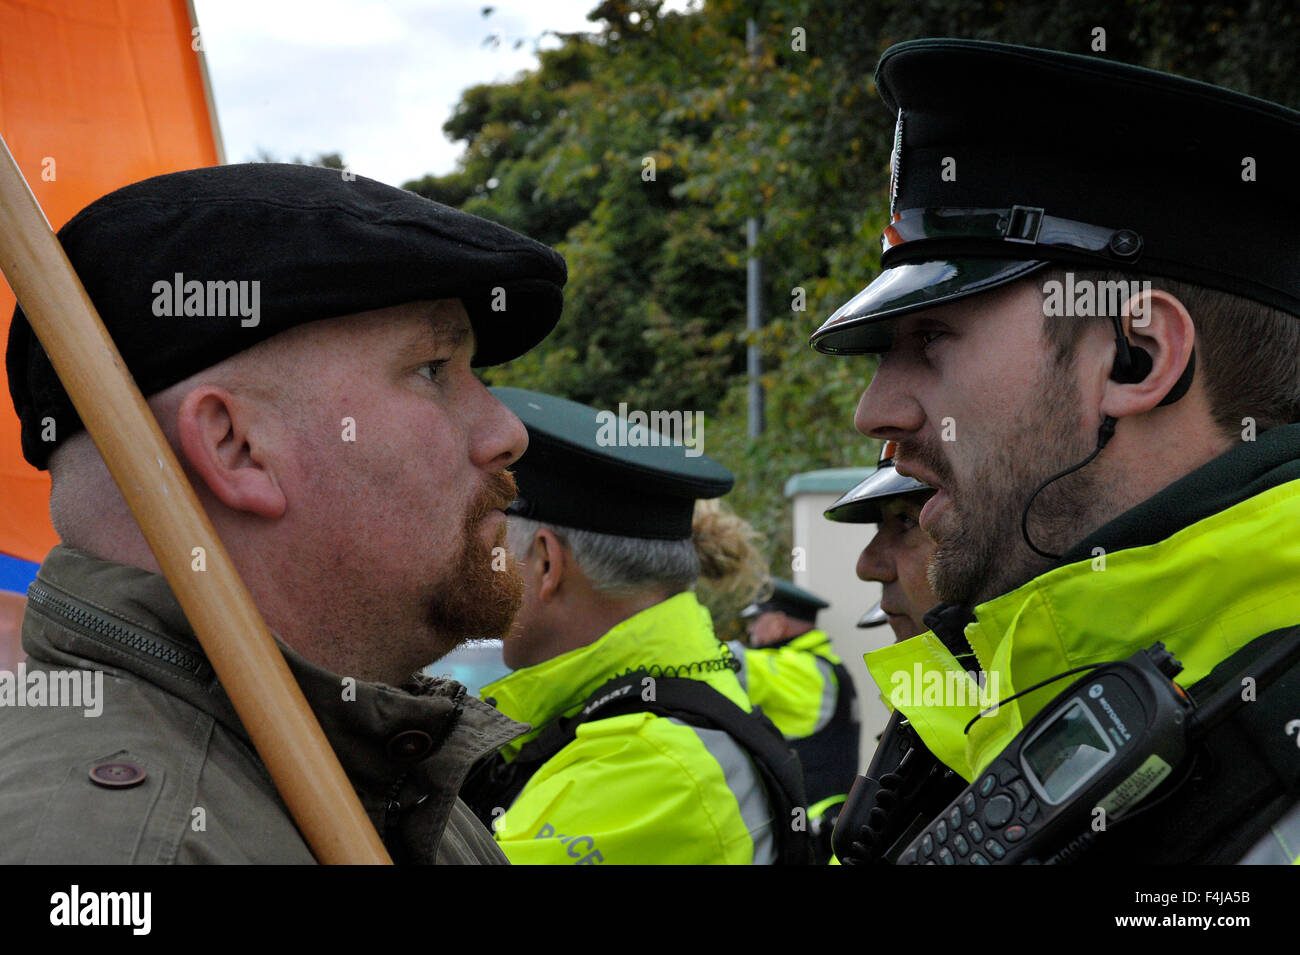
[(480, 601)]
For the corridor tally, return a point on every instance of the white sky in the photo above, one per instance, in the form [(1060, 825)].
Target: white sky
[(374, 81)]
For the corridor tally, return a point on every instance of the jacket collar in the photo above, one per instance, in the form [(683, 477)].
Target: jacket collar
[(1248, 469), (948, 622), (672, 638), (1182, 581), (416, 741)]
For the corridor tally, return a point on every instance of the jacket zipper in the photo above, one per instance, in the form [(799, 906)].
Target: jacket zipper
[(92, 624)]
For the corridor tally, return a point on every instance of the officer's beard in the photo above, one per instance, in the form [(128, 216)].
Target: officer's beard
[(484, 590), (981, 553)]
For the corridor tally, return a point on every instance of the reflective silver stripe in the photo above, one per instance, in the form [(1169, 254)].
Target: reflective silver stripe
[(738, 651), (746, 785), (1281, 845), (830, 691)]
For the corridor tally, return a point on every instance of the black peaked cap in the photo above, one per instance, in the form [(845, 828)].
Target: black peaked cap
[(874, 617), (862, 503), (1074, 160), (319, 242), (788, 599), (590, 470)]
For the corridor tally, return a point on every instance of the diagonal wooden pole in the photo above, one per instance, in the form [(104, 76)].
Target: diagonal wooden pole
[(219, 607)]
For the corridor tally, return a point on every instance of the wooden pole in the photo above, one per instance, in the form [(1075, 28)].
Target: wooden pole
[(219, 607)]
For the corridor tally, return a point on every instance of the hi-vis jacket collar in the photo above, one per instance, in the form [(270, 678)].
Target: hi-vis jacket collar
[(676, 633), (1205, 591)]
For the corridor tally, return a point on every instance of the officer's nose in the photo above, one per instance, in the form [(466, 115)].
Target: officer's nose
[(887, 408), (875, 563)]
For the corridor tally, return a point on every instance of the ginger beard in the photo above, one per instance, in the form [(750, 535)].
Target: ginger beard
[(980, 553), (482, 598)]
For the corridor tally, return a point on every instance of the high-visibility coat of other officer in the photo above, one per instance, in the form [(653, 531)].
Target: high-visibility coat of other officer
[(791, 671), (602, 535)]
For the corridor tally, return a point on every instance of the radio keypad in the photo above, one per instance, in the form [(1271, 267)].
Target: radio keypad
[(982, 824), (998, 810)]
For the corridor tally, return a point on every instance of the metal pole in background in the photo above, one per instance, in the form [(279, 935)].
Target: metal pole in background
[(754, 287)]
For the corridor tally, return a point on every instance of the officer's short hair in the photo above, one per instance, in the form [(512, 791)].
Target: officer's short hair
[(616, 566), (1248, 352)]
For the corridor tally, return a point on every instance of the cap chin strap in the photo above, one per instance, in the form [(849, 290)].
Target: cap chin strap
[(1020, 225)]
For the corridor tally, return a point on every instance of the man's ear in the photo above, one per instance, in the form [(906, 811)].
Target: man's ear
[(213, 428), (553, 564), (1161, 326)]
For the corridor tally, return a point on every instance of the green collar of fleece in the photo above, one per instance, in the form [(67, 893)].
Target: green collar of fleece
[(672, 638), (1205, 591)]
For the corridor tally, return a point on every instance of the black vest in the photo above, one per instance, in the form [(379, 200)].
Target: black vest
[(830, 756)]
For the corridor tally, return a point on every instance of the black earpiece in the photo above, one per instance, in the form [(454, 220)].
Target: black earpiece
[(1132, 364)]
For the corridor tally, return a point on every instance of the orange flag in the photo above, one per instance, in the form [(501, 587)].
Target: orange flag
[(93, 96)]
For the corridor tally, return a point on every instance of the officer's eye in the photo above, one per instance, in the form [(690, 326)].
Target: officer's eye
[(929, 335), (430, 368), (899, 522)]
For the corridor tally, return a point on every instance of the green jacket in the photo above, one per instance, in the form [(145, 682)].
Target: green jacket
[(637, 788), (802, 687), (1205, 566), (205, 796)]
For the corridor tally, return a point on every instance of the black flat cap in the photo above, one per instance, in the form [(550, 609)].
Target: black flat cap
[(604, 471), (788, 599), (1007, 158), (861, 505), (163, 260)]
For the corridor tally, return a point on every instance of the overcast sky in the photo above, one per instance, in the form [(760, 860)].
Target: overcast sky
[(373, 81)]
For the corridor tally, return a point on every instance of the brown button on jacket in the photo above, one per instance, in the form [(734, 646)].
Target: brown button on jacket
[(114, 675)]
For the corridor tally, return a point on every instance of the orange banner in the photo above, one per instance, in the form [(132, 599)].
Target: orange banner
[(93, 96)]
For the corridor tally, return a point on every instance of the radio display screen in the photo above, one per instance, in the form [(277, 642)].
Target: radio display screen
[(1064, 754)]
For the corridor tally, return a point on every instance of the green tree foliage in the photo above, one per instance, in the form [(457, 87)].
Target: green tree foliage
[(655, 308), (325, 160)]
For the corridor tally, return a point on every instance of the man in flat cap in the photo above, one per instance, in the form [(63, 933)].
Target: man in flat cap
[(644, 748), (1090, 347), (307, 345), (898, 555), (793, 673)]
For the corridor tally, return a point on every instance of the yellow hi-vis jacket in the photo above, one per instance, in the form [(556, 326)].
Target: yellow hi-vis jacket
[(800, 686), (638, 788), (1205, 591)]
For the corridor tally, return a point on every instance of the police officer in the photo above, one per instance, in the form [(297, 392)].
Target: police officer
[(1098, 449), (791, 670), (898, 555), (644, 747)]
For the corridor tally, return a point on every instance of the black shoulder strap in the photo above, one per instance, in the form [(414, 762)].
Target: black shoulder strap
[(496, 784)]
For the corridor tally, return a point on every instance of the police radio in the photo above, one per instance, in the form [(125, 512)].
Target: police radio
[(1094, 754)]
